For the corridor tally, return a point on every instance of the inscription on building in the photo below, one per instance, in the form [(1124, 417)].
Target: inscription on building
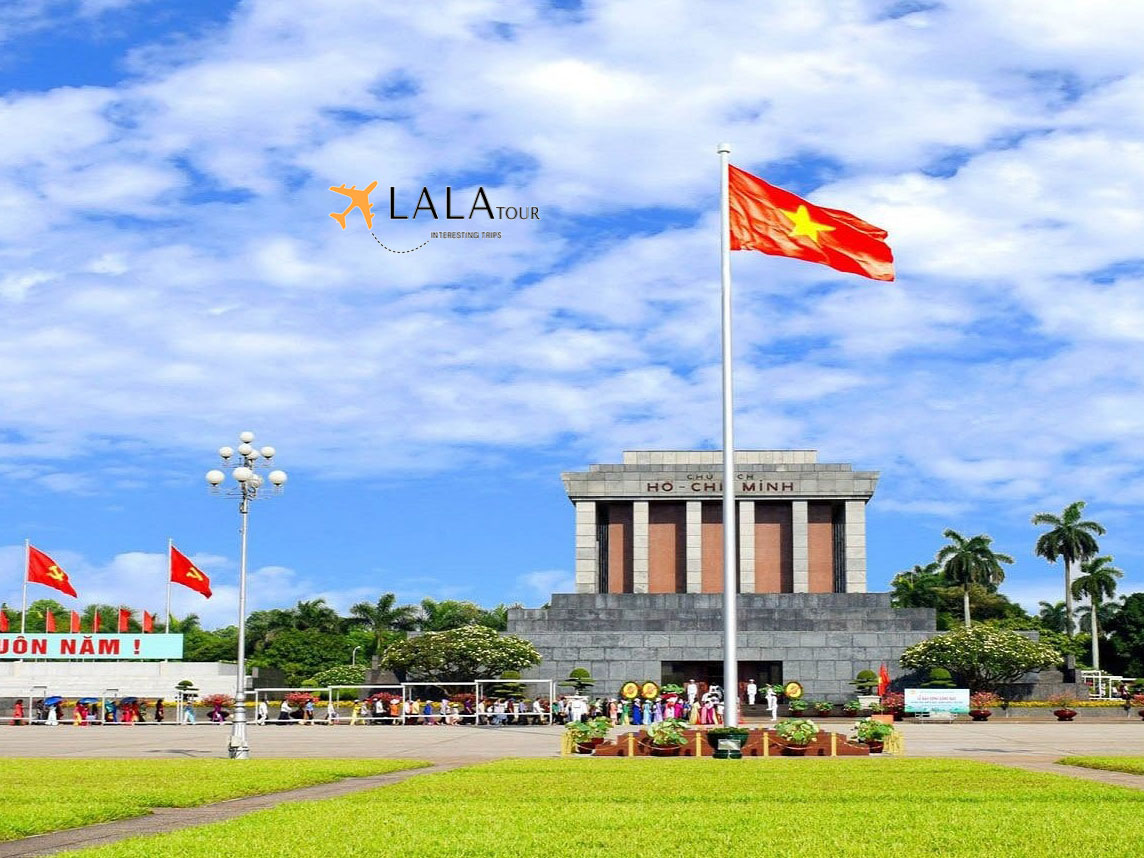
[(707, 484)]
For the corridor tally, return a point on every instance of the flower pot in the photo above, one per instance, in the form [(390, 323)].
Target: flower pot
[(882, 719), (818, 713), (1064, 714), (794, 751), (875, 745), (980, 714), (898, 715), (589, 746), (1141, 713)]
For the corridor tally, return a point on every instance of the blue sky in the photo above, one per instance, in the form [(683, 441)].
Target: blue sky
[(169, 276)]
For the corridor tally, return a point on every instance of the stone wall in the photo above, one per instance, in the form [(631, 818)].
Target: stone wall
[(822, 639)]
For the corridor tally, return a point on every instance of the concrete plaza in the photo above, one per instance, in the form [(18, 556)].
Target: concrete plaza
[(996, 741)]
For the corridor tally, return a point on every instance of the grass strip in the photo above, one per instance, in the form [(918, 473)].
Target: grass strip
[(1131, 765), (42, 795), (607, 807)]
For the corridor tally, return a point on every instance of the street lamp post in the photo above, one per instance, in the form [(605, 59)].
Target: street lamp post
[(248, 482), (353, 656)]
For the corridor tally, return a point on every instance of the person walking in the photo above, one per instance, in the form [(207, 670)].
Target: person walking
[(52, 719), (18, 713), (188, 714), (261, 711), (159, 711)]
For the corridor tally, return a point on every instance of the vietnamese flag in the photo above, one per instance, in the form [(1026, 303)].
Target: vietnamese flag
[(148, 622), (777, 222), (883, 680), (49, 621), (3, 621), (75, 623), (124, 619), (184, 572), (42, 569), (95, 622)]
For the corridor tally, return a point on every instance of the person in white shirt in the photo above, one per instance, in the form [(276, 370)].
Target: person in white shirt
[(752, 692), (261, 712), (692, 691)]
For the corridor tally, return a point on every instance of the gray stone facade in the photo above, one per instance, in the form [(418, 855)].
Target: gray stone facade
[(819, 639)]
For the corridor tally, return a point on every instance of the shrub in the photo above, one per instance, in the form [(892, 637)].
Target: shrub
[(869, 730), (219, 699), (667, 732), (593, 728), (852, 706), (580, 678), (798, 705), (823, 706), (984, 700), (866, 681), (797, 731), (1138, 700), (1062, 701), (342, 674), (939, 677), (893, 701)]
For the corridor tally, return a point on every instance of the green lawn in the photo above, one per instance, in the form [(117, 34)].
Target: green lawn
[(608, 807), (1132, 765), (38, 795)]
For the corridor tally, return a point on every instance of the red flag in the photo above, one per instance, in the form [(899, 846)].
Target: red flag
[(124, 619), (3, 621), (49, 621), (777, 222), (43, 570), (184, 572), (883, 680), (95, 622), (75, 627), (148, 622)]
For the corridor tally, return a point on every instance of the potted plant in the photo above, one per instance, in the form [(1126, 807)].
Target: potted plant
[(665, 738), (852, 707), (873, 734), (1138, 701), (822, 708), (1063, 704), (728, 741), (797, 734), (797, 707), (981, 703), (588, 734), (894, 702)]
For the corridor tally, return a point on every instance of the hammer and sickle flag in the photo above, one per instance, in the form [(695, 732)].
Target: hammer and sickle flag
[(42, 569), (184, 572)]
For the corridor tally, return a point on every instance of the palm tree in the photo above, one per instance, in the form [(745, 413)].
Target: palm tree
[(1053, 615), (1071, 539), (383, 617), (971, 561), (1098, 582), (917, 587), (316, 614)]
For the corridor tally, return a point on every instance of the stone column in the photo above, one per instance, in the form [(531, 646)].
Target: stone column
[(639, 547), (587, 550), (694, 546), (747, 546), (799, 550), (855, 535)]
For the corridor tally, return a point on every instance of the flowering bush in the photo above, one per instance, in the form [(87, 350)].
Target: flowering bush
[(459, 654), (217, 700), (984, 700), (1062, 701), (982, 657), (300, 698), (1138, 700), (797, 731), (893, 701)]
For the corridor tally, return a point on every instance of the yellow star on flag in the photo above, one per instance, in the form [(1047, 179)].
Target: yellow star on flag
[(803, 225)]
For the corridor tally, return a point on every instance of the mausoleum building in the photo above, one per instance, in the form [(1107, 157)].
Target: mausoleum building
[(649, 575)]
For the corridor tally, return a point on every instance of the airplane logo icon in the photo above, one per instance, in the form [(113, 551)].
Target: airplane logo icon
[(358, 200)]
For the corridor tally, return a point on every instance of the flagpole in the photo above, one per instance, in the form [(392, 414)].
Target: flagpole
[(730, 551), (170, 547), (24, 598)]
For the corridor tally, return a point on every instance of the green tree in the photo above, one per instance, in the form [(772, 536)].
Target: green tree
[(449, 614), (1126, 635), (1097, 581), (965, 562), (1072, 539), (918, 587), (385, 619), (981, 657), (1052, 616), (37, 610), (469, 652), (316, 614), (301, 653)]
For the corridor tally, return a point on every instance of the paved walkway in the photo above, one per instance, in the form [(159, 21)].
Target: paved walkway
[(164, 819)]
